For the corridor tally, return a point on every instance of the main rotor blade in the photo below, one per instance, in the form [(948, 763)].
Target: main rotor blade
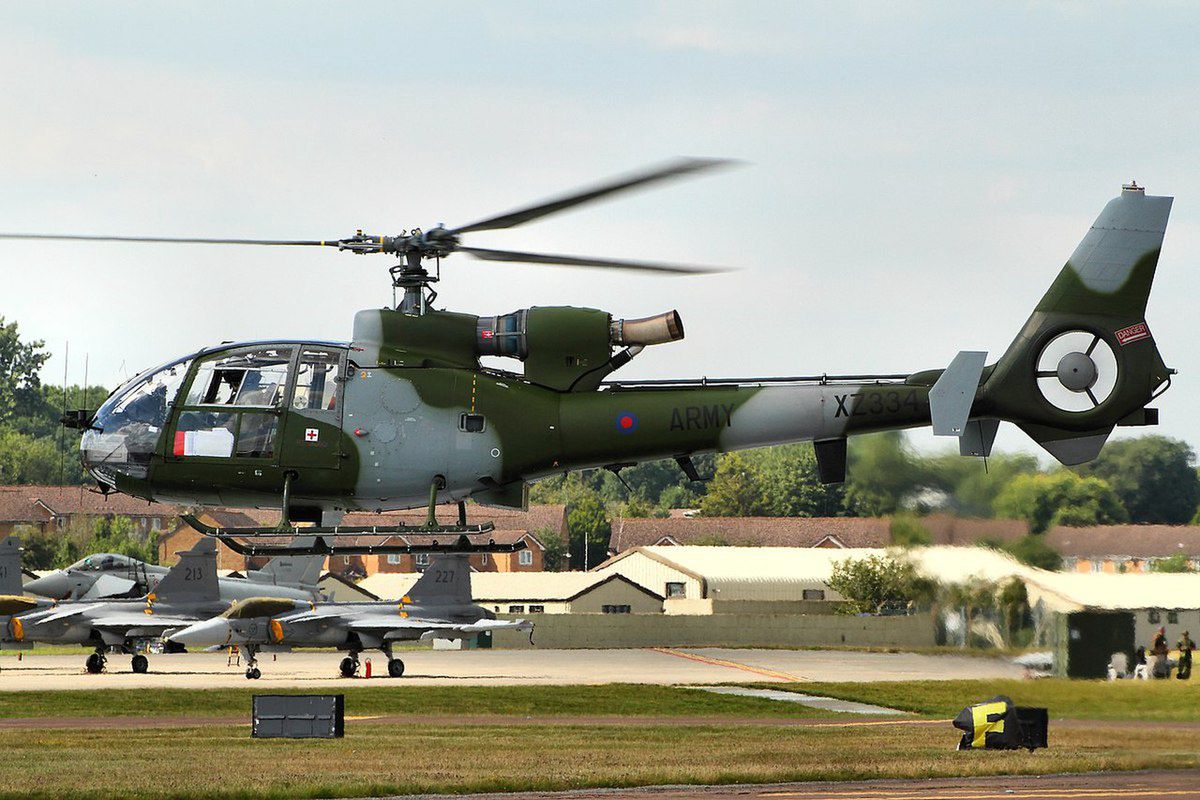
[(671, 169), (166, 240), (575, 261)]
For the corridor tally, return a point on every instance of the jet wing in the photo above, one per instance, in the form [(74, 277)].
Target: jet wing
[(125, 620), (108, 586), (432, 628), (60, 612), (314, 615)]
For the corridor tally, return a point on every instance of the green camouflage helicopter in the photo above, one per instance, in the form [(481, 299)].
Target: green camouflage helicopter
[(405, 415)]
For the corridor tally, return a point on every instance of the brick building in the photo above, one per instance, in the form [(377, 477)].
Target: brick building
[(837, 532), (1123, 548), (55, 507)]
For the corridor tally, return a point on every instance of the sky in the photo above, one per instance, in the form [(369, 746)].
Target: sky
[(913, 175)]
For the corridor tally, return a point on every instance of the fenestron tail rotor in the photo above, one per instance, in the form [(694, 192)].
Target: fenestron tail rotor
[(1077, 371), (416, 245)]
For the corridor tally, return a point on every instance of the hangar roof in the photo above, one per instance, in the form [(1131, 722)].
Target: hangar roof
[(1072, 591), (493, 586), (752, 572)]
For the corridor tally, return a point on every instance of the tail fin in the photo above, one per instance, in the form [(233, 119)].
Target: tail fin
[(194, 578), (302, 570), (1085, 360), (445, 582), (10, 566)]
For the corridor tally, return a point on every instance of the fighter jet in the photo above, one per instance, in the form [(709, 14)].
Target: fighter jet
[(109, 575), (438, 606), (187, 593)]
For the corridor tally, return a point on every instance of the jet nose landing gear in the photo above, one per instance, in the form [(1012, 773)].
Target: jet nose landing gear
[(253, 673), (95, 663), (349, 666)]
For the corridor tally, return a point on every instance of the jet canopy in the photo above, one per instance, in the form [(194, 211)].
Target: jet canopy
[(102, 562)]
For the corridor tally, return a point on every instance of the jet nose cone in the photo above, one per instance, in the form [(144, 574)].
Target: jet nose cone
[(209, 633), (56, 586)]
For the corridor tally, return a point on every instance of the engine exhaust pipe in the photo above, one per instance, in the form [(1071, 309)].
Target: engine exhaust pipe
[(659, 329)]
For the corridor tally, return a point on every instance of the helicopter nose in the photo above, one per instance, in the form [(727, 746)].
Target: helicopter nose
[(56, 586), (209, 633)]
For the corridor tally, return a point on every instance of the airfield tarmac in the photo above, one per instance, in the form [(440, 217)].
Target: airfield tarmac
[(1092, 785), (507, 667)]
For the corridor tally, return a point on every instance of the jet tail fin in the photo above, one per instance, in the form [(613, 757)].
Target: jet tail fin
[(445, 582), (301, 570), (10, 566), (194, 578)]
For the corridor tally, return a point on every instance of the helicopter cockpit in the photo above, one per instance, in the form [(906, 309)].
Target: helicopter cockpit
[(125, 431), (219, 404)]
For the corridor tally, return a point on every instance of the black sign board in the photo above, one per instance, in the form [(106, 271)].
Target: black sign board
[(298, 716)]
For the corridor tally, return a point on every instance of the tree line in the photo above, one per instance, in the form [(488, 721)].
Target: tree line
[(58, 548), (34, 448), (1150, 479)]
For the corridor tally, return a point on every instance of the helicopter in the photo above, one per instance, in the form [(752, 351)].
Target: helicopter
[(406, 415)]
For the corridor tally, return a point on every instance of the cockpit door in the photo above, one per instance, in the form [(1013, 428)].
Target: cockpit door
[(312, 429)]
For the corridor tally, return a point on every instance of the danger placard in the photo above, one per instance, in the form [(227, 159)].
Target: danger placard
[(1134, 333)]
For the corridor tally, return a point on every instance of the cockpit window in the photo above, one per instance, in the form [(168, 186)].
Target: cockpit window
[(125, 430), (250, 378), (316, 382)]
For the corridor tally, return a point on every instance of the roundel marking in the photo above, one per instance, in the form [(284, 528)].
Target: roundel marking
[(627, 422)]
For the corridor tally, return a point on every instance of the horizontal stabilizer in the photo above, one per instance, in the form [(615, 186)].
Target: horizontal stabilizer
[(951, 398), (978, 438), (1067, 448)]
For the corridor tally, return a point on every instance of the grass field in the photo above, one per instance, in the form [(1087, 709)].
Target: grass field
[(222, 761), (494, 754), (513, 701)]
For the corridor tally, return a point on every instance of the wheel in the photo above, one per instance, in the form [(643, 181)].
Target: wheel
[(253, 673), (395, 668), (140, 664), (349, 667), (95, 664)]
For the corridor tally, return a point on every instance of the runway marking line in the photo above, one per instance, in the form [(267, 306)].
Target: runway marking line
[(1035, 794), (720, 662)]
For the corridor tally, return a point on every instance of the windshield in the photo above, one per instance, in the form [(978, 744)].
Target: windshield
[(126, 429)]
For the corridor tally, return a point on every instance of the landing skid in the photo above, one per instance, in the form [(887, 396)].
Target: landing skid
[(278, 541)]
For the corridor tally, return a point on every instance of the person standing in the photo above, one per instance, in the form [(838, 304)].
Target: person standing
[(1185, 647), (1160, 649), (1140, 670)]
